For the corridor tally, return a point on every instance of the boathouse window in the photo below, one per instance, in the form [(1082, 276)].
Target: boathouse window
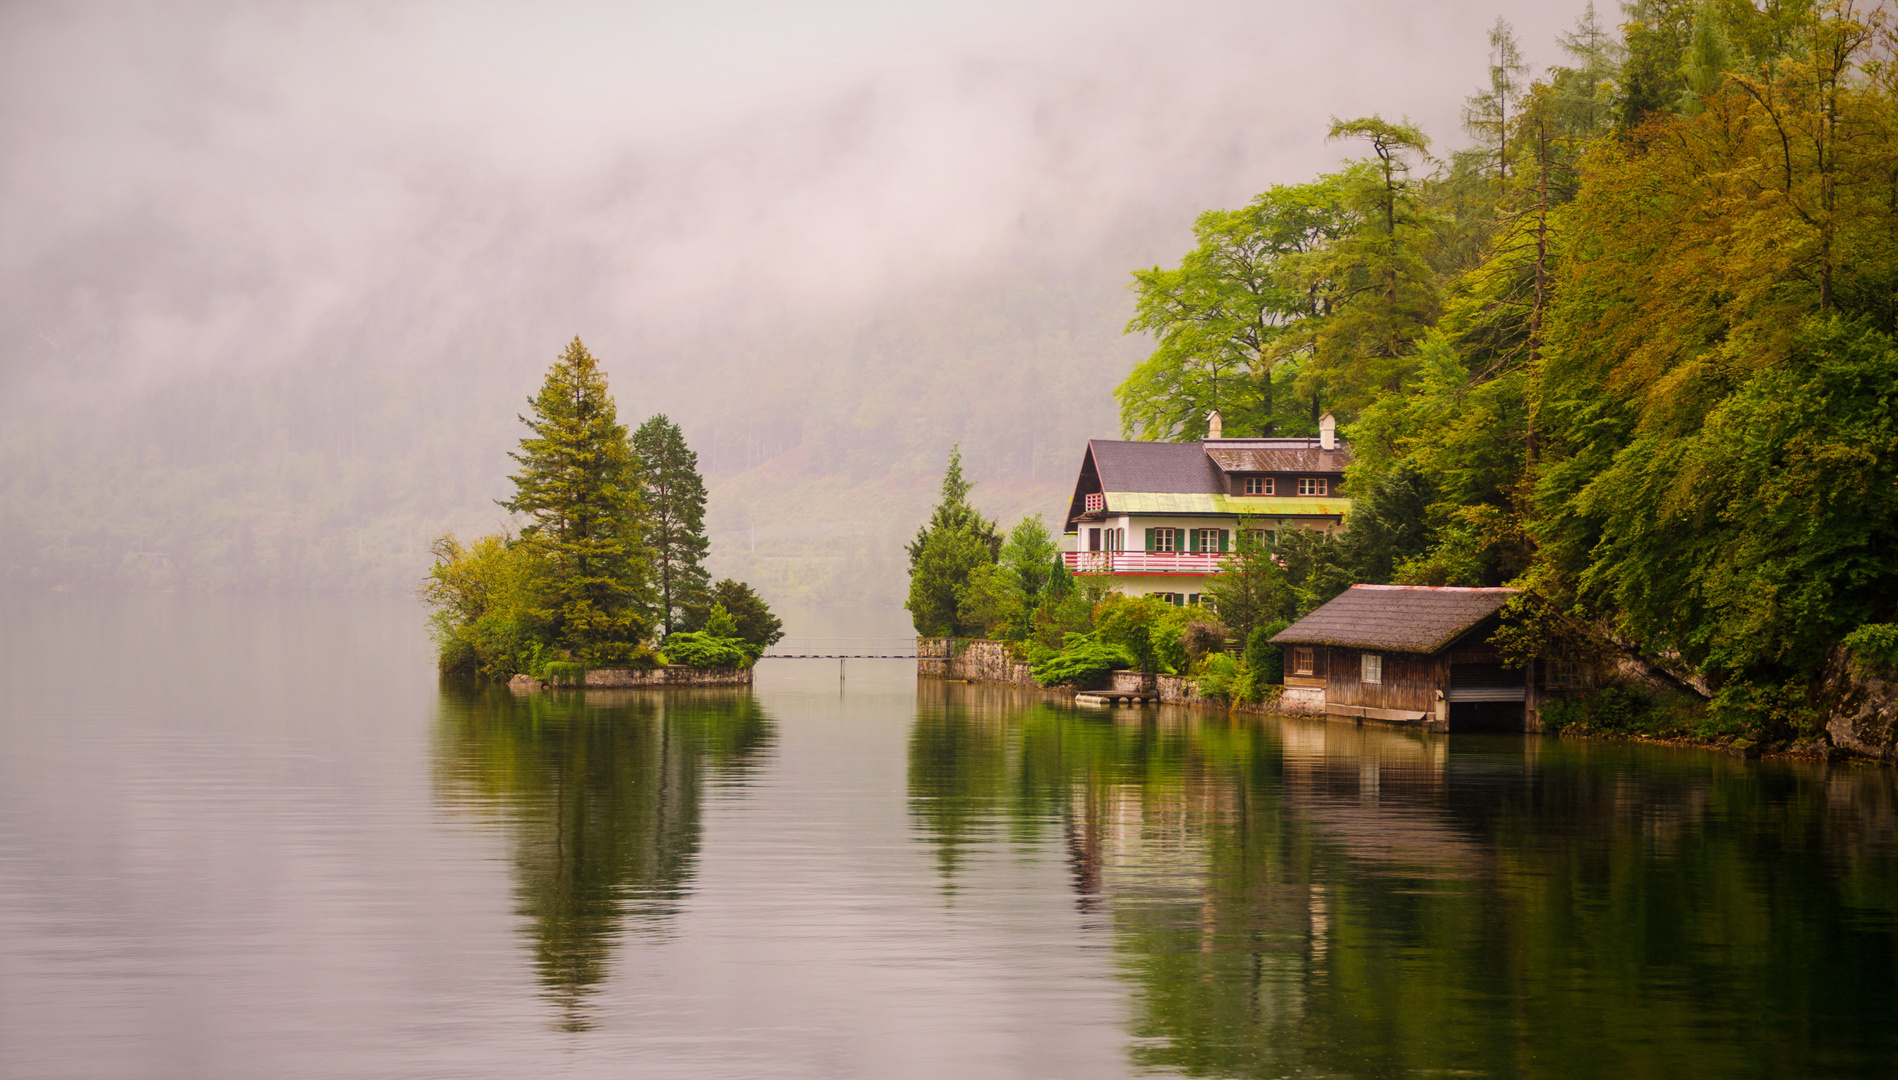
[(1260, 485), (1566, 675), (1373, 668), (1096, 502), (1163, 539), (1302, 660), (1311, 485)]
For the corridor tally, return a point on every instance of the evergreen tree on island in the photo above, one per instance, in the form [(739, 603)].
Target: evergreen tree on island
[(579, 485), (674, 495)]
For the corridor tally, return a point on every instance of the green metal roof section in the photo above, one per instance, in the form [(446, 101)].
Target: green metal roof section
[(1161, 502)]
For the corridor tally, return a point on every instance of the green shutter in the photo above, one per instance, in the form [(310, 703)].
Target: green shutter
[(1225, 541), (1192, 542), (1149, 539)]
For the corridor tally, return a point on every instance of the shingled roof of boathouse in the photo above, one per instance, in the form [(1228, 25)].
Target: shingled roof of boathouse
[(1401, 618)]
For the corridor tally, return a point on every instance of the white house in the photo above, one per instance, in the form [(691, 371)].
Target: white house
[(1159, 517)]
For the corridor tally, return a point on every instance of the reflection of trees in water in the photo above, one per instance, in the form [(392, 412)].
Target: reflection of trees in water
[(601, 794), (1311, 897)]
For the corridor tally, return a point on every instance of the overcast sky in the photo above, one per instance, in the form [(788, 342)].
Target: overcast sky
[(191, 185)]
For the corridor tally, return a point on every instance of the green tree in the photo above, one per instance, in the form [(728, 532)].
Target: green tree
[(1031, 555), (1387, 293), (947, 551), (579, 488), (954, 512), (1250, 588), (752, 616), (1232, 320), (674, 495)]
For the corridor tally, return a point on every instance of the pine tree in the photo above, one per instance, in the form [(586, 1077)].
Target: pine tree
[(674, 495), (953, 512), (579, 488), (957, 541)]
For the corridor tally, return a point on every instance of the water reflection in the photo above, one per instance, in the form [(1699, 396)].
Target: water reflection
[(600, 793), (1312, 898)]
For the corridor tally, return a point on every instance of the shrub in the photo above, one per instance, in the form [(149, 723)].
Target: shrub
[(703, 649), (1218, 675), (1084, 661), (1876, 642), (564, 673)]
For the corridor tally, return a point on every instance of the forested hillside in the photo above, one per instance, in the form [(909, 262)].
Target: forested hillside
[(1633, 351)]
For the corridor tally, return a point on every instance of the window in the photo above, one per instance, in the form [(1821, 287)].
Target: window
[(1208, 541), (1302, 660), (1093, 539), (1164, 539), (1373, 668), (1566, 675), (1263, 537), (1260, 485), (1311, 485), (1096, 502)]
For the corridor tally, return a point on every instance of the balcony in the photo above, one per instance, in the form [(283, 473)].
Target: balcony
[(1141, 562)]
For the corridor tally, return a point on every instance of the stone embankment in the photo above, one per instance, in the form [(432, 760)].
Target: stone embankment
[(989, 661), (630, 678)]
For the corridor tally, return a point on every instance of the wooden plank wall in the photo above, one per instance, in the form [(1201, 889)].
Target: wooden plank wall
[(1410, 680)]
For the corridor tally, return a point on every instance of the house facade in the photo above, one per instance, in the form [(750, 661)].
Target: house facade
[(1158, 518), (1408, 654)]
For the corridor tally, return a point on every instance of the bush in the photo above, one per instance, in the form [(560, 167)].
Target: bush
[(1084, 662), (1876, 642), (703, 649), (1218, 677), (564, 673)]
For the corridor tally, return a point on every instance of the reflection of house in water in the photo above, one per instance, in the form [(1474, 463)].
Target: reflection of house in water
[(600, 795)]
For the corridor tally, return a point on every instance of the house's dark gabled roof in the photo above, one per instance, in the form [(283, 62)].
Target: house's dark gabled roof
[(1402, 618), (1162, 467)]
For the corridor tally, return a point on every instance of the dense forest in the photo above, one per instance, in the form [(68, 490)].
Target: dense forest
[(1632, 352)]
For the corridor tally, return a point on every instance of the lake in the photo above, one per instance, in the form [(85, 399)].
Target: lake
[(244, 838)]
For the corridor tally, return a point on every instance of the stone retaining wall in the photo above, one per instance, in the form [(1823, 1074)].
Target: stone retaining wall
[(629, 678), (962, 658), (988, 661)]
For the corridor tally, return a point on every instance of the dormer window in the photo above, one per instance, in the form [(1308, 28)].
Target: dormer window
[(1096, 502), (1260, 485), (1311, 485)]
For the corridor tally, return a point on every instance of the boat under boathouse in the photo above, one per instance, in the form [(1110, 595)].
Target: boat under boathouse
[(1408, 654)]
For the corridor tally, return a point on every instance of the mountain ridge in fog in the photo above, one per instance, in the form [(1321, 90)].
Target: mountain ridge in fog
[(281, 281)]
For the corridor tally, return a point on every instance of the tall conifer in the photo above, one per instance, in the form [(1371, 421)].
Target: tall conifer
[(675, 525), (579, 487)]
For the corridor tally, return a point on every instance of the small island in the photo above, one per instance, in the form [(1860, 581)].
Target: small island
[(605, 584)]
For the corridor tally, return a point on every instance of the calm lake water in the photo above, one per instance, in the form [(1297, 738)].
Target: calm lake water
[(246, 839)]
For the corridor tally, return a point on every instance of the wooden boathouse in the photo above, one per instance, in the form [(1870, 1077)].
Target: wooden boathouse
[(1409, 654)]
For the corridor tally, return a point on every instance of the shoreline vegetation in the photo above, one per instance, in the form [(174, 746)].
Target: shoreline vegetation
[(1633, 352), (607, 571)]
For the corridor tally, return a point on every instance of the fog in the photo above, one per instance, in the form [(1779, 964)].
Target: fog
[(276, 278)]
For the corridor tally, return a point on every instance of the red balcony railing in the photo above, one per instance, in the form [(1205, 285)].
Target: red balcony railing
[(1141, 562)]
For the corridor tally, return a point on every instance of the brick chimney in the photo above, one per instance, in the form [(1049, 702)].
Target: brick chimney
[(1328, 432), (1214, 424)]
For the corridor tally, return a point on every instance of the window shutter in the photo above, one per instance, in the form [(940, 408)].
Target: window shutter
[(1225, 541), (1149, 539)]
